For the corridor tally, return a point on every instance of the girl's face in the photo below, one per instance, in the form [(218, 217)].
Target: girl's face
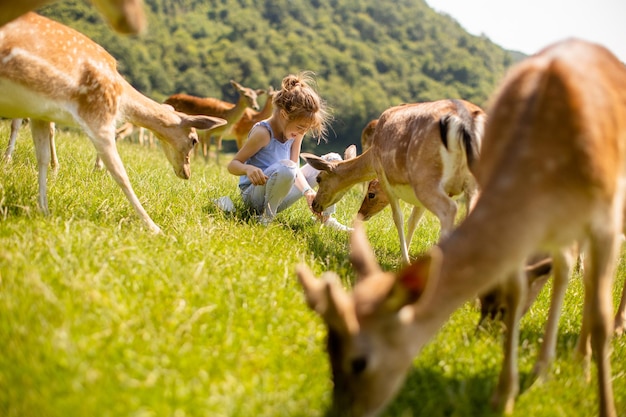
[(295, 129)]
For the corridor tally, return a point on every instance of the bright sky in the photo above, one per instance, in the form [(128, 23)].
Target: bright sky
[(529, 25)]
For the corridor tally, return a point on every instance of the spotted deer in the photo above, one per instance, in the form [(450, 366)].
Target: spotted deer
[(230, 112), (421, 154), (551, 174), (52, 73), (125, 16)]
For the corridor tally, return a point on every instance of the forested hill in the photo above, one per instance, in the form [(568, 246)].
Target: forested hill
[(367, 54)]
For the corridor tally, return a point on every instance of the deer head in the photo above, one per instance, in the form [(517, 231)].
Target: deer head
[(375, 200), (370, 337), (336, 177), (249, 94)]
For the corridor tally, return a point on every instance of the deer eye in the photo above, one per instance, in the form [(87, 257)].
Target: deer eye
[(319, 179), (359, 365), (371, 196)]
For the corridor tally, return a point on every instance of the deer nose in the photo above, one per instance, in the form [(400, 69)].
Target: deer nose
[(316, 206)]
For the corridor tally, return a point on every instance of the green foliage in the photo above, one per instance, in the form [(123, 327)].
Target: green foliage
[(100, 318), (367, 54)]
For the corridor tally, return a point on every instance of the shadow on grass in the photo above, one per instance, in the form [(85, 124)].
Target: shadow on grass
[(428, 393)]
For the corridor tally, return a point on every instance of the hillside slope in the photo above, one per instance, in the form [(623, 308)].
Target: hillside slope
[(368, 55)]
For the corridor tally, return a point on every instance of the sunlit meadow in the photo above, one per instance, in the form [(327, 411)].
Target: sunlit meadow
[(100, 318)]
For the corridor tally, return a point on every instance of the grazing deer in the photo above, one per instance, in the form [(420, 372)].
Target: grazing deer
[(551, 174), (250, 117), (421, 153), (16, 124), (125, 16), (51, 72), (217, 108)]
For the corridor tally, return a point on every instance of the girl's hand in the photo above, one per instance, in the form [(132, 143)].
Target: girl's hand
[(310, 196), (256, 175)]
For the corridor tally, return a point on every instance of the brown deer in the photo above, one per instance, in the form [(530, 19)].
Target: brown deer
[(217, 108), (51, 72), (240, 130), (551, 174), (421, 154), (125, 16)]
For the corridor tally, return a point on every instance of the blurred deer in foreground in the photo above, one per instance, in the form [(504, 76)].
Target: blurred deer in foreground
[(51, 72), (125, 16), (421, 153), (552, 173)]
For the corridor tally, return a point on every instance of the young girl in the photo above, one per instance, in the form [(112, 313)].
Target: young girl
[(270, 179)]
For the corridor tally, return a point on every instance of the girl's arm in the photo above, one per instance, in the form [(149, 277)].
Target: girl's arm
[(258, 138), (301, 182)]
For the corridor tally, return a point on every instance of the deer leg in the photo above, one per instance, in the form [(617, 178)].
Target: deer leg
[(508, 383), (206, 147), (414, 218), (398, 217), (54, 160), (620, 317), (561, 264), (599, 268), (107, 151), (398, 220), (200, 146), (40, 131), (218, 148), (441, 205), (98, 165), (15, 127)]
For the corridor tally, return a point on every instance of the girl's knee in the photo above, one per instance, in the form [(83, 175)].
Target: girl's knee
[(286, 169)]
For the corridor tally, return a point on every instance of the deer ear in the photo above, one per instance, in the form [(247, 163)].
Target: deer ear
[(326, 297), (314, 289), (349, 153), (362, 255), (202, 122), (414, 280), (316, 162)]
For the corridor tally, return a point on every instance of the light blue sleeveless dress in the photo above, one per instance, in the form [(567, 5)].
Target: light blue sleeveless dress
[(274, 160)]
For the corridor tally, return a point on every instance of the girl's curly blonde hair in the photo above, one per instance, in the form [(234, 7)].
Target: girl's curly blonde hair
[(300, 101)]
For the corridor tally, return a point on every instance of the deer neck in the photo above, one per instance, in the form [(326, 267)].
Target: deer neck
[(144, 112), (483, 251), (355, 170), (234, 114), (265, 112)]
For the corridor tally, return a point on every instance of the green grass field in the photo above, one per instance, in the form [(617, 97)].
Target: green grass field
[(100, 318)]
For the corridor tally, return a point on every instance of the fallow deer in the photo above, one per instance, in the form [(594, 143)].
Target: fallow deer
[(551, 174), (51, 72), (125, 16), (240, 130), (217, 108), (421, 153)]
